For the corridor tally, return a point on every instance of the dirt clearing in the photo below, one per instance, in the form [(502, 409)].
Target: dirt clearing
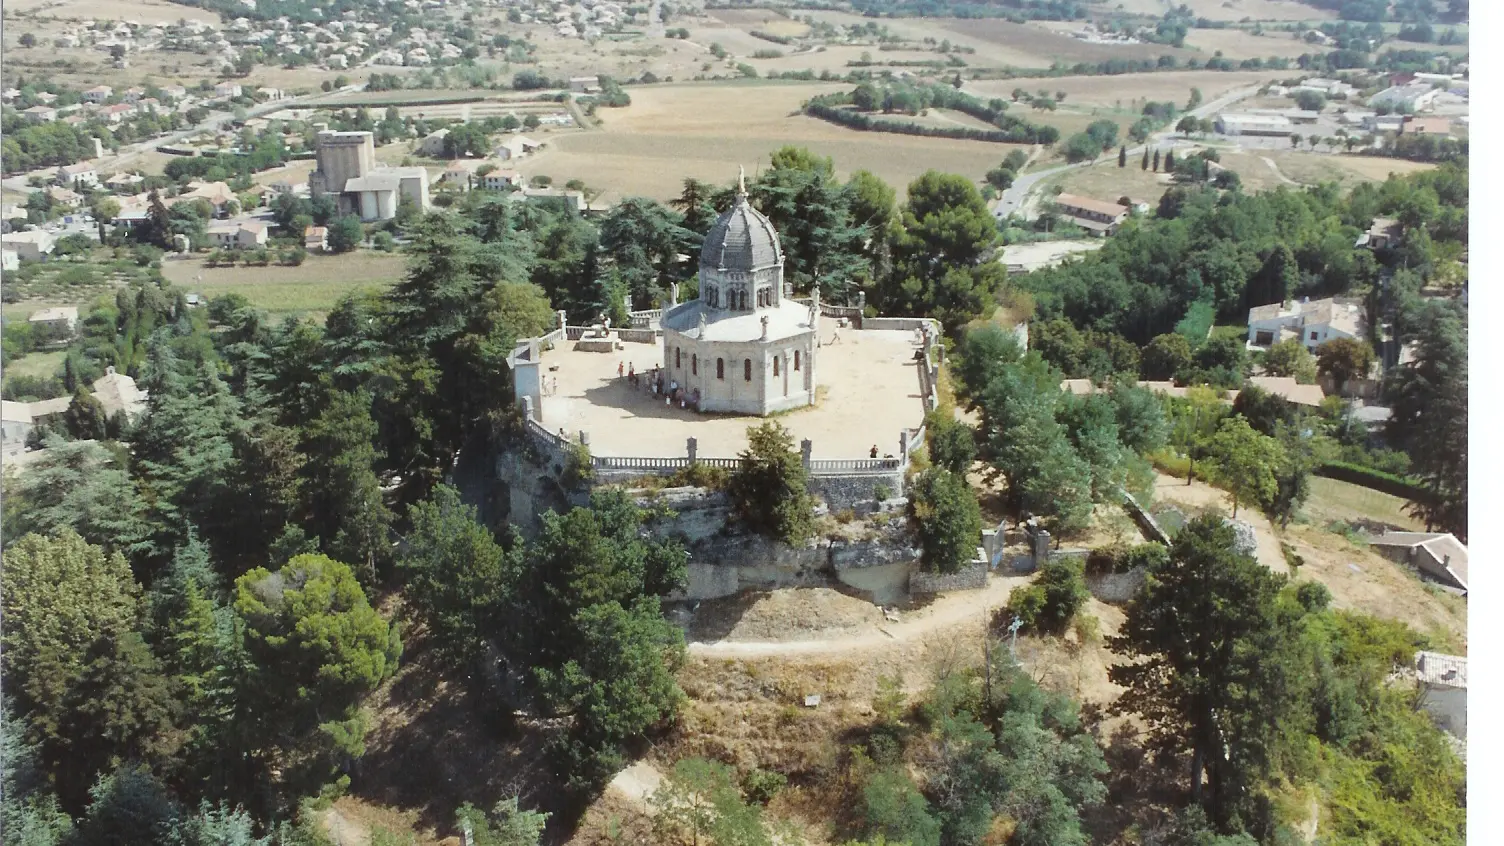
[(1199, 496)]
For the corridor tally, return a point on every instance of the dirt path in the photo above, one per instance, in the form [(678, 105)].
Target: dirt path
[(1277, 172), (947, 611), (638, 782)]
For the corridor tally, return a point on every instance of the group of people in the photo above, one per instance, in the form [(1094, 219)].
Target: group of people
[(661, 386)]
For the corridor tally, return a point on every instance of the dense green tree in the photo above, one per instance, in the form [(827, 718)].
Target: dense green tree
[(81, 487), (822, 243), (61, 595), (1142, 426), (85, 417), (1276, 278), (947, 519), (345, 233), (1165, 357), (952, 444), (1344, 359), (1216, 693), (1429, 401), (1263, 410), (1291, 358), (895, 809), (340, 488), (316, 648), (947, 228), (129, 805), (643, 239), (1245, 461), (769, 489), (619, 684), (460, 583)]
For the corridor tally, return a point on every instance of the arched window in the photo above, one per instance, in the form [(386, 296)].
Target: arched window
[(710, 297), (694, 365), (678, 362), (796, 359), (720, 368), (747, 370), (741, 300), (775, 365)]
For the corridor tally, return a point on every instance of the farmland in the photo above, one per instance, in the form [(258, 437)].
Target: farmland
[(310, 289), (672, 132), (1125, 90)]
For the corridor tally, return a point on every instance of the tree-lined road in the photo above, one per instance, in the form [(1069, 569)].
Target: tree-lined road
[(1018, 198)]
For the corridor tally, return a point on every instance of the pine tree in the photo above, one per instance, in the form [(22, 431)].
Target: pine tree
[(342, 493)]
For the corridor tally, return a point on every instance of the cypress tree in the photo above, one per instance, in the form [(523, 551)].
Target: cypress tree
[(1170, 162), (1123, 156), (1156, 161), (1144, 165)]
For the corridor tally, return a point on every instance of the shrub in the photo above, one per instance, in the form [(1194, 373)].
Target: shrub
[(1049, 604), (947, 520), (760, 785), (700, 475), (1369, 478), (578, 470)]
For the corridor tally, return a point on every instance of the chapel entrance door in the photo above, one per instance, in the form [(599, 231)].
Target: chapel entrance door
[(785, 366)]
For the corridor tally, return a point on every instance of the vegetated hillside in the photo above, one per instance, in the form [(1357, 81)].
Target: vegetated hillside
[(204, 604)]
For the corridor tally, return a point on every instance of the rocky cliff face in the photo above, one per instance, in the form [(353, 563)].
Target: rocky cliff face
[(872, 558)]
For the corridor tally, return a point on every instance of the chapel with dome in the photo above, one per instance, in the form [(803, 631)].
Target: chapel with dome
[(742, 346)]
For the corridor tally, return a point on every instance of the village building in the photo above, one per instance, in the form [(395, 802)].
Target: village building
[(1095, 216), (316, 239), (432, 144), (1385, 233), (501, 179), (1437, 555), (31, 245), (346, 168), (742, 346), (97, 94), (1231, 123), (245, 234), (516, 147), (40, 114), (1313, 322), (1438, 126), (59, 320), (82, 173)]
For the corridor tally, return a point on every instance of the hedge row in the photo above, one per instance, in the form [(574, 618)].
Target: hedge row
[(1377, 480), (1017, 134)]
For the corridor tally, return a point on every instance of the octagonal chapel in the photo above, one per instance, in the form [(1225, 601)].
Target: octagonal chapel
[(742, 346)]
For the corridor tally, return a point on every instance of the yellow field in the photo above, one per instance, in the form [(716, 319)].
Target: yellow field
[(1305, 168), (761, 19), (145, 11), (1238, 44), (671, 132), (1106, 181)]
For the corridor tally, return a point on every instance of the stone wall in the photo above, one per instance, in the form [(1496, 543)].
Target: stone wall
[(1115, 588), (1146, 522), (852, 491), (724, 560), (968, 578)]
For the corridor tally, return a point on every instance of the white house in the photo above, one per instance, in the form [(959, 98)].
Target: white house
[(316, 239), (1314, 322), (82, 173), (1237, 123), (9, 260), (1096, 216), (501, 179), (244, 234), (1442, 686), (97, 94), (40, 114), (60, 319), (227, 89)]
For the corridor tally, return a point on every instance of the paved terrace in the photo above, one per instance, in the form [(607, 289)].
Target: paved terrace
[(868, 390)]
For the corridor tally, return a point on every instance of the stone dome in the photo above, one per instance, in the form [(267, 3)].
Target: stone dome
[(742, 240)]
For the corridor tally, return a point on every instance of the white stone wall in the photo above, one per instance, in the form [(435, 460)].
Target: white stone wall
[(692, 363)]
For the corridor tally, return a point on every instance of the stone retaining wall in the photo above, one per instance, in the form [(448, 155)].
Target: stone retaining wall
[(841, 492), (1115, 588), (968, 578)]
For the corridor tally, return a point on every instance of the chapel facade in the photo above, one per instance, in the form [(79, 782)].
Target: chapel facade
[(742, 347)]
